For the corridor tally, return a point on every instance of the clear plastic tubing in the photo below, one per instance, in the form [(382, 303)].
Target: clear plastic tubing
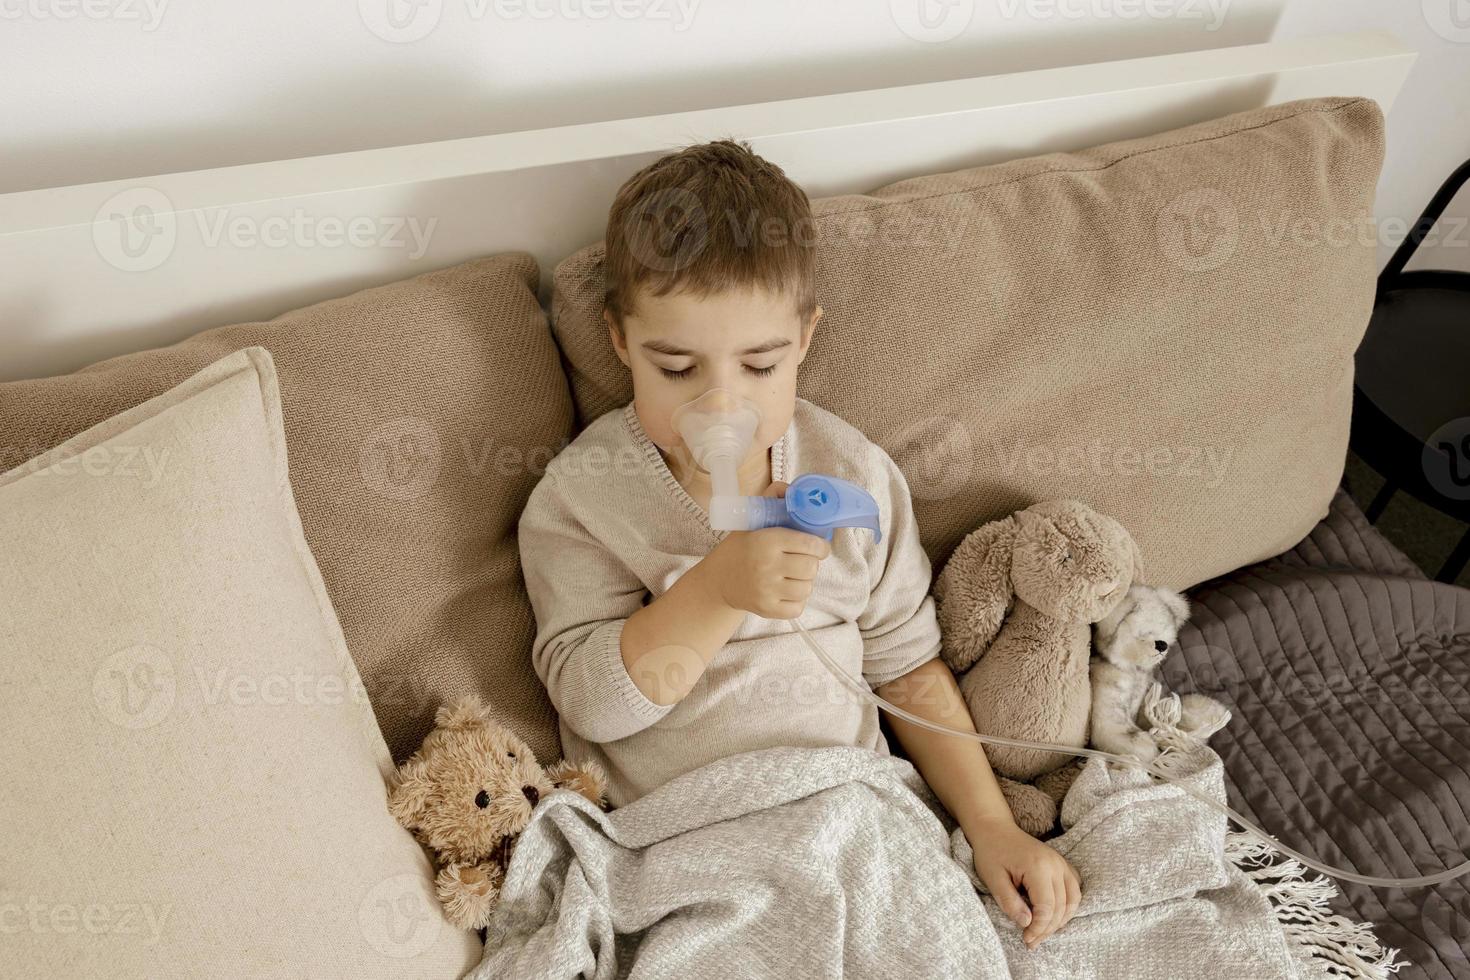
[(1341, 873)]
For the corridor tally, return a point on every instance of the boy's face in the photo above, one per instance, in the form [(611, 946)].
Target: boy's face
[(748, 341)]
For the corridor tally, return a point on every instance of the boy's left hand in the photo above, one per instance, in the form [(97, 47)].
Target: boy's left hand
[(1007, 857)]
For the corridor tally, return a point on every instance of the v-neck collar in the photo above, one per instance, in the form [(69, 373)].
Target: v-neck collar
[(661, 468)]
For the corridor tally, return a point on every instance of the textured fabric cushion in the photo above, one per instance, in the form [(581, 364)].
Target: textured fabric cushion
[(1162, 327), (419, 415), (194, 781)]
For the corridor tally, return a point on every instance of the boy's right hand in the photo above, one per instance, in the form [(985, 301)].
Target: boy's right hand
[(768, 572)]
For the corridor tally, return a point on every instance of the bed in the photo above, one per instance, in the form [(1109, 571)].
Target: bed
[(387, 285)]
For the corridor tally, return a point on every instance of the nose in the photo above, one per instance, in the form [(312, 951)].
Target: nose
[(531, 793), (1161, 645)]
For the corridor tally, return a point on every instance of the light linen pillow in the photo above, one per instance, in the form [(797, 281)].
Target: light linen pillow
[(194, 783), (1162, 327)]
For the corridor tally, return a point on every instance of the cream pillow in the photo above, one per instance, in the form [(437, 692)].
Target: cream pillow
[(194, 780)]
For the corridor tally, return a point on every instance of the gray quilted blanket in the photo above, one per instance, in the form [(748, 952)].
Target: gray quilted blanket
[(840, 862), (1347, 673)]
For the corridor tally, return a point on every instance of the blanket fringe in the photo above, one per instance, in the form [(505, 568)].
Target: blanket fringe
[(1302, 905)]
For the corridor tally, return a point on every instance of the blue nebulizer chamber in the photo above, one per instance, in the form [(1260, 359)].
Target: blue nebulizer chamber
[(817, 505)]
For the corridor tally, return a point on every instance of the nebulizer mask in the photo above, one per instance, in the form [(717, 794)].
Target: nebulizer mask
[(717, 429)]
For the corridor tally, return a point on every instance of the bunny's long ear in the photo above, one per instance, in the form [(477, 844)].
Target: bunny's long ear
[(1136, 557), (974, 592), (409, 793)]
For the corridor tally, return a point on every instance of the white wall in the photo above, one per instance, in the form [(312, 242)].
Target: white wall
[(1429, 128), (102, 89)]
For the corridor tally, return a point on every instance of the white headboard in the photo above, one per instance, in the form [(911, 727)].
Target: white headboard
[(95, 270)]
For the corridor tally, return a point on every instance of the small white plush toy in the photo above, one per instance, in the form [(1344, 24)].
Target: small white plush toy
[(1129, 643)]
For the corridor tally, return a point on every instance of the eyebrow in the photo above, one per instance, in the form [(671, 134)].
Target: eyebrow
[(664, 347)]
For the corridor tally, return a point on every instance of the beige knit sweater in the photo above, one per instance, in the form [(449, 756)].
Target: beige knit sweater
[(608, 529)]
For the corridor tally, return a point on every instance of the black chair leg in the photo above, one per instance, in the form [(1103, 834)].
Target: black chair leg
[(1455, 563), (1375, 509)]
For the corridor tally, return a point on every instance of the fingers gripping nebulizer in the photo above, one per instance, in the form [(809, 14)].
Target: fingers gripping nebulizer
[(717, 429)]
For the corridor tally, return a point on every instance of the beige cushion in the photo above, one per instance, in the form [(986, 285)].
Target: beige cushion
[(1161, 327), (194, 782), (419, 416)]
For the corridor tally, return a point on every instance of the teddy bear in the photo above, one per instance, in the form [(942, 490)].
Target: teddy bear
[(1016, 601), (468, 793), (1129, 644)]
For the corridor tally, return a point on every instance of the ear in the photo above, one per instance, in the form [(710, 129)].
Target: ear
[(586, 778), (807, 330), (1109, 624), (467, 712), (1135, 558), (974, 592), (616, 337), (1177, 605), (409, 793)]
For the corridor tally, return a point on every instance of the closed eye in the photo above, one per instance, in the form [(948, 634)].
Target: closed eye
[(680, 375)]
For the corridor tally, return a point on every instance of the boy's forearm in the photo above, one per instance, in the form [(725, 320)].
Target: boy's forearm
[(955, 768), (668, 643)]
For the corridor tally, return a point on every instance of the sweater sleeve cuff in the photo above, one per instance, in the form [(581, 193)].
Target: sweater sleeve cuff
[(610, 662), (891, 656)]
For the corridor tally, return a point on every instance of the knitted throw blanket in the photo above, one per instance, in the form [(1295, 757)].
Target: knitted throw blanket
[(840, 862)]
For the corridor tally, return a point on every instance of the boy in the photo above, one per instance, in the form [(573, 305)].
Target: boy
[(661, 641)]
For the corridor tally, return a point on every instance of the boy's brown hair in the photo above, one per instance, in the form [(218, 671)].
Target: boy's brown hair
[(708, 218)]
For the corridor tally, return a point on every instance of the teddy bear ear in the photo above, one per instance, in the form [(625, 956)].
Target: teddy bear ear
[(1178, 606), (467, 712), (408, 796)]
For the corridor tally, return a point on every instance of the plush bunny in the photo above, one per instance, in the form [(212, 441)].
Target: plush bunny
[(1130, 642), (467, 793), (1016, 601)]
